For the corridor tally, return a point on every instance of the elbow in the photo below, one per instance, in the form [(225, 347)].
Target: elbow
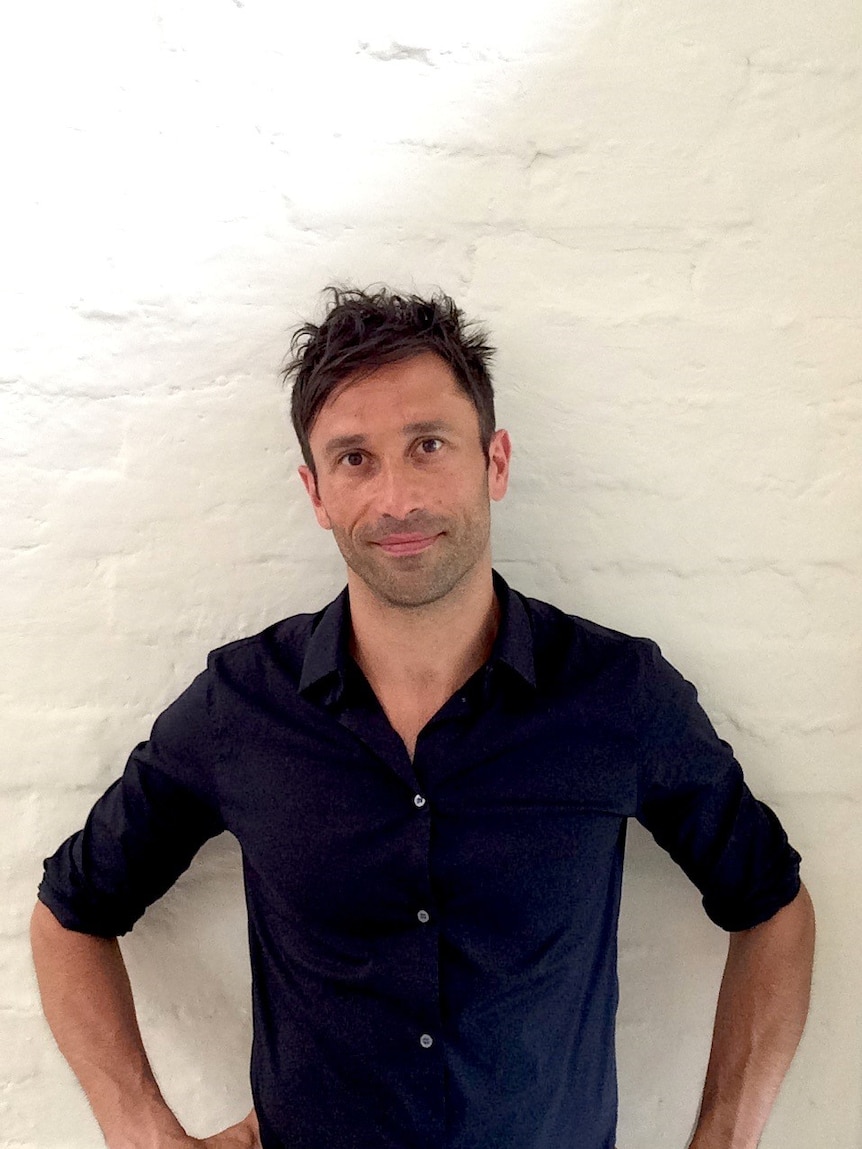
[(784, 944), (792, 924), (43, 920), (790, 932), (45, 930), (801, 919)]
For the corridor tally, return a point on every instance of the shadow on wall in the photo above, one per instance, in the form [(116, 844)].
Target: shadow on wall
[(561, 177)]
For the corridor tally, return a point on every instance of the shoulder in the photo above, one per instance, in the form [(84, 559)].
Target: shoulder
[(287, 637), (272, 659), (624, 674), (569, 642)]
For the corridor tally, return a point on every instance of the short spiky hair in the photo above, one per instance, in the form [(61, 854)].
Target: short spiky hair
[(362, 330)]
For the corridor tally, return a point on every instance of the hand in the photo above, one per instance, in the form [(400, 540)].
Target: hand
[(244, 1135)]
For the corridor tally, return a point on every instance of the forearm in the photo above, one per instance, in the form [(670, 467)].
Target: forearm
[(762, 1006), (88, 1004)]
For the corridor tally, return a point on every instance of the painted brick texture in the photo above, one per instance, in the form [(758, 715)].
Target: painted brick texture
[(656, 209)]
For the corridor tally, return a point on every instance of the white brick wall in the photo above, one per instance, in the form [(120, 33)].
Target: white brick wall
[(656, 208)]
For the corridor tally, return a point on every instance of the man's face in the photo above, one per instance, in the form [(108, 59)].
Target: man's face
[(403, 482)]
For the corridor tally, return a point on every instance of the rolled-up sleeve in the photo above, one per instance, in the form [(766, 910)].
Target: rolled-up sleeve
[(695, 802), (145, 829)]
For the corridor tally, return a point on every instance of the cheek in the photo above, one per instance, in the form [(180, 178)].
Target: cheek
[(456, 484), (472, 489), (342, 509)]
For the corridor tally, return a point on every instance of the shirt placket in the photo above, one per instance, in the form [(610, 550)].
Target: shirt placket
[(432, 759), (418, 959)]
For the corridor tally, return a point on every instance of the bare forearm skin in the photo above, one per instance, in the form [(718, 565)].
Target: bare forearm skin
[(88, 1003), (762, 1006)]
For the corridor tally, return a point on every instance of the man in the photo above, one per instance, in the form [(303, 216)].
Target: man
[(430, 781)]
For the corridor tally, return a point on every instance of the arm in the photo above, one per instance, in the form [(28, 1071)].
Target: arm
[(762, 1006), (88, 1003)]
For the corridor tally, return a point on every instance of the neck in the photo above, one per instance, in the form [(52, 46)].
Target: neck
[(436, 647)]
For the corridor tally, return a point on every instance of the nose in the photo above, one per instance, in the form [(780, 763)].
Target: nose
[(397, 492)]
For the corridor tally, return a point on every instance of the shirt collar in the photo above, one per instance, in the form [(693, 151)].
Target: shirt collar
[(326, 656), (513, 645)]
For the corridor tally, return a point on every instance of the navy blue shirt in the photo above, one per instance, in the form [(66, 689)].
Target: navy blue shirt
[(433, 943)]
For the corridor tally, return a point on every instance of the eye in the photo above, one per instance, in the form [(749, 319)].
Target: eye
[(430, 446), (352, 459)]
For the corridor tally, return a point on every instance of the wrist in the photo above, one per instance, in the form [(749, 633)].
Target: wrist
[(151, 1138), (718, 1135), (146, 1123)]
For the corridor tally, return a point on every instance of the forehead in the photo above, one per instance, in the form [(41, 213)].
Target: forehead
[(418, 389)]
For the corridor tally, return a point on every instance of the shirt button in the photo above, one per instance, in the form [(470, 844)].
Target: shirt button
[(426, 1040), (424, 916), (418, 800)]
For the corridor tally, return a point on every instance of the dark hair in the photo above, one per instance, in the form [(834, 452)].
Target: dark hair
[(362, 330)]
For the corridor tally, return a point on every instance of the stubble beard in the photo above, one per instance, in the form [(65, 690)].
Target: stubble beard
[(410, 582)]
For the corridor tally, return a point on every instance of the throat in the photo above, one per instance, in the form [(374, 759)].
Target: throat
[(415, 669), (408, 715)]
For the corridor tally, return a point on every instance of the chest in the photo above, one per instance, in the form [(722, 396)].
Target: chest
[(408, 715), (490, 822)]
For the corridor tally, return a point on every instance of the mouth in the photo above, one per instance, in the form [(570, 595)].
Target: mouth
[(411, 544)]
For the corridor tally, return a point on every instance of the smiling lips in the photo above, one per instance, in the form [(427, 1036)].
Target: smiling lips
[(410, 544)]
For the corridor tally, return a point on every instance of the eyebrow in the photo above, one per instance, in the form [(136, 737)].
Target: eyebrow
[(343, 443), (434, 427), (349, 442)]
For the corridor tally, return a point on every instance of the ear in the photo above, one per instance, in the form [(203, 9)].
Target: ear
[(499, 458), (310, 484)]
